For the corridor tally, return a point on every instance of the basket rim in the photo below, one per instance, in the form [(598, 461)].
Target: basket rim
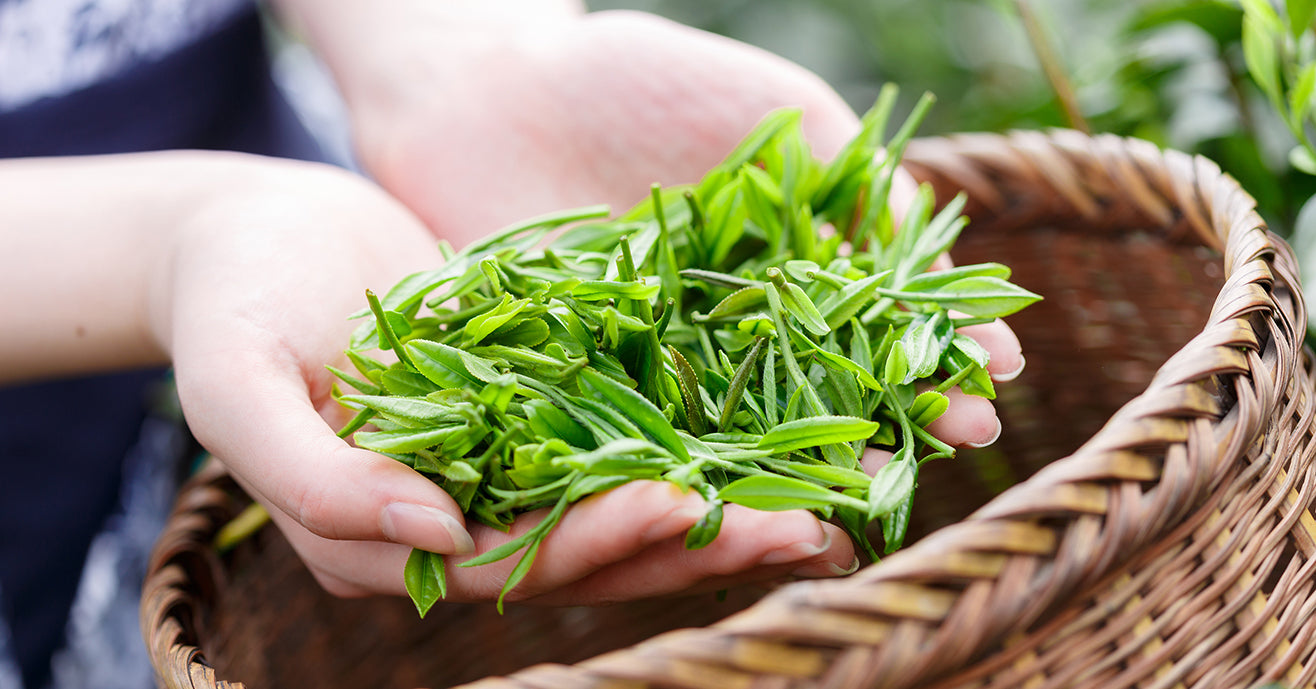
[(1171, 443)]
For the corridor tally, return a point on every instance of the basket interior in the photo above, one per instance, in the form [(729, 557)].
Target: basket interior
[(1117, 304)]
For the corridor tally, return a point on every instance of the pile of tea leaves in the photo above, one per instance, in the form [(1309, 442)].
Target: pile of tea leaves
[(746, 337)]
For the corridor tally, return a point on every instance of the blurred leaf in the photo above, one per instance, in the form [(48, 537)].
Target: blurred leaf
[(1301, 158), (1221, 20), (1259, 52), (1264, 13), (1300, 96), (1300, 15)]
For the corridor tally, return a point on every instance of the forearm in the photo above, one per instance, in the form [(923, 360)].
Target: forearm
[(367, 45), (87, 245)]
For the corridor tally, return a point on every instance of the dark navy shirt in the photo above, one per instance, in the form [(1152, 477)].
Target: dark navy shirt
[(114, 82)]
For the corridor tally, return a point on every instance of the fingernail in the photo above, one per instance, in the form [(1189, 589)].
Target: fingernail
[(1010, 375), (424, 527), (797, 551), (820, 570), (993, 439)]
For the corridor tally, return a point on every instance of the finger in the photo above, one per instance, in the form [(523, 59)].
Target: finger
[(902, 193), (347, 569), (594, 533), (752, 546), (874, 459), (270, 434), (632, 517), (1007, 355), (969, 421)]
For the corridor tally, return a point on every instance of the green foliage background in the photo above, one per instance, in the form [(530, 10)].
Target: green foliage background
[(1170, 71)]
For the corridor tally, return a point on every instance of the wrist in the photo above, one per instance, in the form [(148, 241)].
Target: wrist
[(237, 224), (88, 237)]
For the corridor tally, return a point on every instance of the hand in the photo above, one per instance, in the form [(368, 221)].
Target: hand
[(253, 305), (479, 120), (540, 113)]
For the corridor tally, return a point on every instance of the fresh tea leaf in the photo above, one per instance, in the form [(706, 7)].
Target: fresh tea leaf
[(424, 579), (780, 493), (813, 431)]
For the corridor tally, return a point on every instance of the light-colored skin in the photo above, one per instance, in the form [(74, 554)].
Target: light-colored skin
[(238, 270)]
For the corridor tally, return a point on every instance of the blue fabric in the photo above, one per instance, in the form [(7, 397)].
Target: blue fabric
[(213, 94), (62, 443)]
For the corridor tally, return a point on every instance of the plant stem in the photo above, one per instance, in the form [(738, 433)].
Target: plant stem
[(1051, 67)]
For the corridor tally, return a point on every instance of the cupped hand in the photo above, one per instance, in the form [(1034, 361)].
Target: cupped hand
[(535, 113), (524, 114), (252, 306)]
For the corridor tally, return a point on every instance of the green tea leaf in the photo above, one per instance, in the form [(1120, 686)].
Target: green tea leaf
[(977, 381), (772, 125), (601, 290), (922, 350), (830, 475), (780, 493), (802, 270), (801, 307), (928, 407), (813, 431), (896, 369), (931, 282), (529, 332), (705, 531), (547, 421), (971, 349), (688, 383), (403, 382), (406, 408), (460, 472), (623, 457), (404, 440), (448, 366), (845, 303), (895, 525), (727, 214), (575, 327), (985, 297), (742, 301), (424, 579), (485, 324), (736, 388), (546, 221), (861, 372), (891, 486), (635, 407), (361, 386)]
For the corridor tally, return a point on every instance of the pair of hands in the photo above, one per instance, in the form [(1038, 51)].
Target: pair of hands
[(520, 113)]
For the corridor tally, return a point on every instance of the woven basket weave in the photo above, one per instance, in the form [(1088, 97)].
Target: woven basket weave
[(1144, 521)]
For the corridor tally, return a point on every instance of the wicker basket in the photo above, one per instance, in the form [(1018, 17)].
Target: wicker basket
[(1157, 533)]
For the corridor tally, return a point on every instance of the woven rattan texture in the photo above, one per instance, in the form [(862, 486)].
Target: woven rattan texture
[(1158, 530)]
